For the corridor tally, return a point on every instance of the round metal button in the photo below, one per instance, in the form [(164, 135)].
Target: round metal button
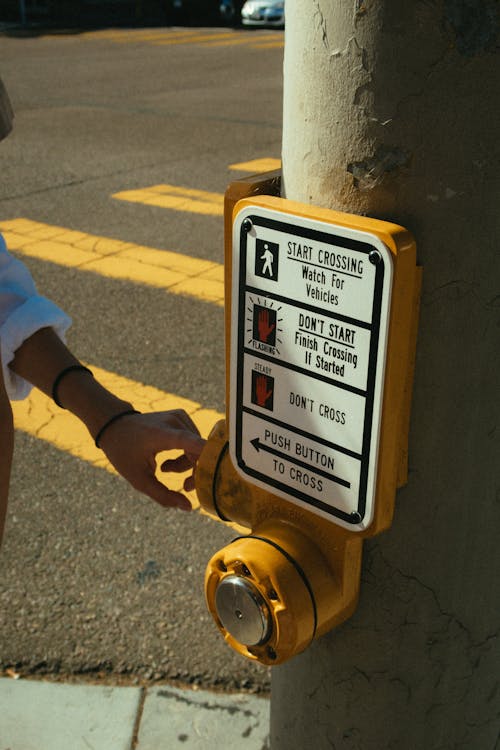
[(242, 610)]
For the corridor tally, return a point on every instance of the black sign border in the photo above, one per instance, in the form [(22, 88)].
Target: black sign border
[(348, 243)]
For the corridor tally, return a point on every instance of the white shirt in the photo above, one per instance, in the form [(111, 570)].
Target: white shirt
[(22, 312)]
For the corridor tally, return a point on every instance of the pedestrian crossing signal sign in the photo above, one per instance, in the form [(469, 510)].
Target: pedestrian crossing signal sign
[(266, 259), (322, 332)]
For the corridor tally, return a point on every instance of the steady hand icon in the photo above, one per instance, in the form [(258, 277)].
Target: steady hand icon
[(261, 390)]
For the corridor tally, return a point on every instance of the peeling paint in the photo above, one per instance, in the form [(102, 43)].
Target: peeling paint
[(351, 47), (318, 14), (371, 171)]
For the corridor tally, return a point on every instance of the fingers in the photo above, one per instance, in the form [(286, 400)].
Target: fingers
[(166, 498), (183, 420), (138, 439), (189, 483), (182, 433), (189, 443), (177, 465)]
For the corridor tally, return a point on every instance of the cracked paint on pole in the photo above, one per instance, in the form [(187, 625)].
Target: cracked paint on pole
[(389, 111)]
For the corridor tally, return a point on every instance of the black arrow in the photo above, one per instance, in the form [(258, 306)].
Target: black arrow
[(263, 447)]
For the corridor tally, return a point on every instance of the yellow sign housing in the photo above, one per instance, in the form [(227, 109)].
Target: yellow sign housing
[(294, 573)]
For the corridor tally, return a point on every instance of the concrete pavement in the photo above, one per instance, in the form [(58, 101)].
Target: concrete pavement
[(39, 715)]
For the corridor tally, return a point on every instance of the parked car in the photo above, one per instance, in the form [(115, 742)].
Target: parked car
[(263, 13)]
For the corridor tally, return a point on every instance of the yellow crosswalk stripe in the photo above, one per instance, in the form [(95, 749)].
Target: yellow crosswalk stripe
[(261, 42), (140, 35), (268, 45), (40, 417), (257, 165), (198, 39), (253, 39), (145, 34), (174, 272), (103, 34), (178, 198)]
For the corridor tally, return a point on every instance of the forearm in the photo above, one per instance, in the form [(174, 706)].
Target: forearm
[(131, 442), (6, 450), (42, 357)]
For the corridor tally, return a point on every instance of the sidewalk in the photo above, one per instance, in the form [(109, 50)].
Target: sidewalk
[(37, 715)]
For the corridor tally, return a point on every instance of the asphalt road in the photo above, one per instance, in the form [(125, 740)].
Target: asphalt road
[(94, 579)]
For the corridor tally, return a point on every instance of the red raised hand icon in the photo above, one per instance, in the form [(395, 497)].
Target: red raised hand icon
[(261, 391), (263, 324)]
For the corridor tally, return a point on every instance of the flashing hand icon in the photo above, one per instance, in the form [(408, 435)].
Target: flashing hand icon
[(263, 324)]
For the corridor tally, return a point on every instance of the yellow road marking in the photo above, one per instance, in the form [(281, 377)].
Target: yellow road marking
[(262, 41), (198, 38), (40, 417), (146, 34), (268, 45), (103, 34), (174, 272), (178, 198), (170, 39), (193, 36), (139, 35), (257, 165)]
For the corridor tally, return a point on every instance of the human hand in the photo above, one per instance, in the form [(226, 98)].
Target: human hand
[(132, 443)]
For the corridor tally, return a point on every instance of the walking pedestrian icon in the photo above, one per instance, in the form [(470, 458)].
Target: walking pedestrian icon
[(266, 259)]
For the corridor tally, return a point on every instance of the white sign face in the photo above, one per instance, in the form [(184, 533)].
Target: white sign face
[(310, 319)]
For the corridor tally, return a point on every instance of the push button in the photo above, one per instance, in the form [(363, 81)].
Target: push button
[(242, 611)]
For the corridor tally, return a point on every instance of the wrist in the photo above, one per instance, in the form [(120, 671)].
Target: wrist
[(63, 374), (110, 422), (88, 400)]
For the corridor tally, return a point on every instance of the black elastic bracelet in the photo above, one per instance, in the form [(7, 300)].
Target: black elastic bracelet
[(110, 422), (62, 375)]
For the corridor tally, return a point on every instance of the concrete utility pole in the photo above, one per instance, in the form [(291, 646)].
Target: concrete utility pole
[(391, 110)]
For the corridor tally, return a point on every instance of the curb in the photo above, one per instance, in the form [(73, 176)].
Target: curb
[(39, 715)]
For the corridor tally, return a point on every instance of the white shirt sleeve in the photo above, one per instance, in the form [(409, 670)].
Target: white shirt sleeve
[(22, 312)]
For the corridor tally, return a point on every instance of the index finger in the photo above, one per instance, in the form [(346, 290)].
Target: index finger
[(189, 442), (183, 418)]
